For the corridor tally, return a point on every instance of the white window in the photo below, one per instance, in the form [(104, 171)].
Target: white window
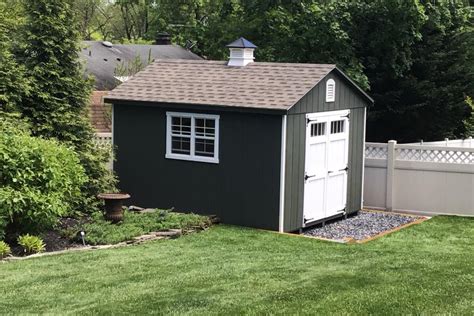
[(192, 136), (330, 90)]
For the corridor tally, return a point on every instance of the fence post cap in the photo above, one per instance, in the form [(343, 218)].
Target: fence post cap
[(392, 141)]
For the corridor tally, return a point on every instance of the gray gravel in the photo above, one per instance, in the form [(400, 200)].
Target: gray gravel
[(361, 226)]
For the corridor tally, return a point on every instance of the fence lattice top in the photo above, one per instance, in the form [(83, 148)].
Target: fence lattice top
[(423, 153), (375, 151), (103, 140), (445, 155)]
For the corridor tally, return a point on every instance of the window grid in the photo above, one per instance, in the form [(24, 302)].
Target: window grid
[(192, 137), (337, 127), (318, 129)]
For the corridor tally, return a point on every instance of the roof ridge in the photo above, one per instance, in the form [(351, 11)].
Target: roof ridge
[(211, 61)]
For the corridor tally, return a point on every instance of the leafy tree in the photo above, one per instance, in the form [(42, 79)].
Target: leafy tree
[(13, 84), (60, 93), (300, 31), (469, 122), (92, 17), (426, 98)]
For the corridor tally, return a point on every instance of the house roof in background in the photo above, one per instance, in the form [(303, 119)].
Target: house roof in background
[(273, 86), (101, 60)]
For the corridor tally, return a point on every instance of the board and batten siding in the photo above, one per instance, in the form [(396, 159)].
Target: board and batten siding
[(242, 189), (347, 97)]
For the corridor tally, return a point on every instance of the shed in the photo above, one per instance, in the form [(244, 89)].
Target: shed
[(278, 146)]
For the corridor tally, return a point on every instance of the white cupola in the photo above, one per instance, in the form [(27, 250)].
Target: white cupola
[(241, 52)]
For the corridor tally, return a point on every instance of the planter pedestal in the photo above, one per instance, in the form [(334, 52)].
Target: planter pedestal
[(113, 205)]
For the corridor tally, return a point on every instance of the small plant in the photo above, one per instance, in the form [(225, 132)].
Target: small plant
[(4, 250), (31, 244)]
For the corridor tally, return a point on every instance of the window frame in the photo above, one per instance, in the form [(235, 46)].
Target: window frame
[(192, 156)]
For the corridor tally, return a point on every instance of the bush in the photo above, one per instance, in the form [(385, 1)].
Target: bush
[(3, 225), (31, 244), (40, 180), (100, 231), (12, 123), (4, 250)]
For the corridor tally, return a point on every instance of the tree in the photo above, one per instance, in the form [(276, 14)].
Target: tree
[(469, 122), (93, 18), (13, 84), (57, 104), (422, 96)]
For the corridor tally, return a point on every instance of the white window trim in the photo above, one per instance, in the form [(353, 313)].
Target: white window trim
[(332, 83), (192, 156)]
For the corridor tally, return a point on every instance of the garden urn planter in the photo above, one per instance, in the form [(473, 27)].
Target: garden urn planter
[(113, 205)]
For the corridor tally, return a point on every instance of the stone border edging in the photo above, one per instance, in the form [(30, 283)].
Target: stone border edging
[(169, 234)]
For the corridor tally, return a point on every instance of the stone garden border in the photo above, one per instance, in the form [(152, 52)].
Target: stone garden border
[(169, 234)]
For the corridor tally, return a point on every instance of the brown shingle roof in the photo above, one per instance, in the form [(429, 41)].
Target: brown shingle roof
[(258, 85)]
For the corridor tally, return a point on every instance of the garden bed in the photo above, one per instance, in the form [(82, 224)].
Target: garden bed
[(136, 228), (362, 227)]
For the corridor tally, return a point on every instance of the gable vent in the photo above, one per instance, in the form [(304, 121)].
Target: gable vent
[(330, 90)]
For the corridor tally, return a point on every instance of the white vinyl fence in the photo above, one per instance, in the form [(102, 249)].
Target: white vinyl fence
[(104, 140), (433, 178), (468, 142)]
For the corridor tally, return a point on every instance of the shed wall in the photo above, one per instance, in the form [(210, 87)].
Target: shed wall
[(347, 97), (243, 189)]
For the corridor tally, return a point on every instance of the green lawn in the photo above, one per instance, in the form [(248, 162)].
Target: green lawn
[(427, 268)]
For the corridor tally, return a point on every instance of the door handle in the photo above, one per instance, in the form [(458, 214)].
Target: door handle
[(306, 177)]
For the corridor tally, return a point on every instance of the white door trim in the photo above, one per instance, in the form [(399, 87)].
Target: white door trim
[(363, 160)]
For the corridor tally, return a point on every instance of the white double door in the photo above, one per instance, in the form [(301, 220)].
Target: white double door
[(326, 164)]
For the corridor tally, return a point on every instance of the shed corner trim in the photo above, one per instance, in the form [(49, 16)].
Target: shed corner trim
[(282, 175)]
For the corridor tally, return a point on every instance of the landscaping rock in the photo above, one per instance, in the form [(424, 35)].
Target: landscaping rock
[(364, 225), (172, 233), (134, 208), (148, 210)]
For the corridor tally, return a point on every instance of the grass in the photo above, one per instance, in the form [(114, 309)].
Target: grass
[(102, 232), (426, 268)]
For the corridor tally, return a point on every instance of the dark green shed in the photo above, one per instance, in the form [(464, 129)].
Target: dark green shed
[(268, 145)]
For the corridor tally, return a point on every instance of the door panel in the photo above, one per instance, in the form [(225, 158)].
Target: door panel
[(337, 154), (317, 152), (327, 139), (336, 192), (315, 198)]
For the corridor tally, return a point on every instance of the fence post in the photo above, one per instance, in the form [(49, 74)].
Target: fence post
[(390, 172)]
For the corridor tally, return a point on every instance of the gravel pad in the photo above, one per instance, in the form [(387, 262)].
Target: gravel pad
[(361, 226)]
